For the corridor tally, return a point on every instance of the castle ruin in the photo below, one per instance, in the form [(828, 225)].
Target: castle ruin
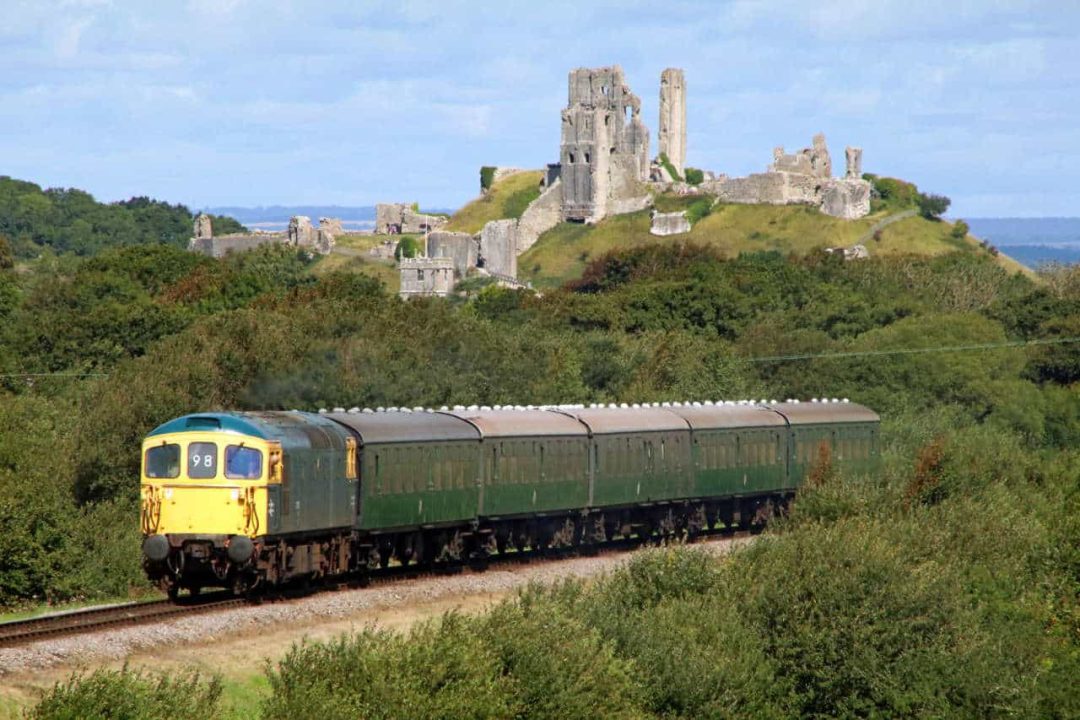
[(299, 234), (673, 118), (604, 150), (397, 218)]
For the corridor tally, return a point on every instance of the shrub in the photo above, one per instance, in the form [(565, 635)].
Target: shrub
[(407, 247), (7, 253), (442, 669), (932, 206), (960, 230), (131, 695), (699, 210), (487, 177), (893, 193), (694, 176)]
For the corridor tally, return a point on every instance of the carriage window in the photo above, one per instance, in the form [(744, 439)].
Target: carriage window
[(243, 463), (163, 461), (202, 460)]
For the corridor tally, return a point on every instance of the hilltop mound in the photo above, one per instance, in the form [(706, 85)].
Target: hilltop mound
[(507, 198), (562, 253)]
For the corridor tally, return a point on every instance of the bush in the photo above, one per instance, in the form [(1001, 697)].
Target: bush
[(893, 193), (407, 247), (439, 670), (7, 253), (960, 230), (695, 176), (487, 177), (130, 695), (699, 210), (932, 206)]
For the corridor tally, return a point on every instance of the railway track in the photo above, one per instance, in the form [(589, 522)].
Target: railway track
[(22, 632)]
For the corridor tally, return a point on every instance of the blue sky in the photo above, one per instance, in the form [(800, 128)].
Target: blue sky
[(234, 102)]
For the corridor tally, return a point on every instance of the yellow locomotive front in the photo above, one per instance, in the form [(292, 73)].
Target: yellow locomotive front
[(205, 494)]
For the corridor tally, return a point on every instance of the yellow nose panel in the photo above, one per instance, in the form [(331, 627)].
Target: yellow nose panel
[(213, 510)]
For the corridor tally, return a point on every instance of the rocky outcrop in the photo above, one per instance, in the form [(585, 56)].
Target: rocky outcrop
[(669, 224)]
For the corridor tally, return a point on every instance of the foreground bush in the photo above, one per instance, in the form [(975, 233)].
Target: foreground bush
[(130, 695)]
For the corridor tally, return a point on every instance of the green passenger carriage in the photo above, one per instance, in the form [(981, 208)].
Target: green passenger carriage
[(342, 491)]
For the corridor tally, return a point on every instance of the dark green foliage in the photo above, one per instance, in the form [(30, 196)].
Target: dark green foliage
[(960, 230), (7, 253), (672, 171), (440, 670), (69, 220), (699, 209), (487, 177), (945, 586), (407, 247), (891, 194), (932, 206), (695, 176), (130, 695)]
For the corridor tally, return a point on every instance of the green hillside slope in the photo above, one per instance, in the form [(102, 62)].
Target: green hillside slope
[(507, 198), (562, 253)]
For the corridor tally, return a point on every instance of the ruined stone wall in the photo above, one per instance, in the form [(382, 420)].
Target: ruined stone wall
[(498, 247), (460, 247), (426, 276), (669, 224), (394, 218), (673, 118), (543, 213), (218, 246), (203, 227), (604, 147)]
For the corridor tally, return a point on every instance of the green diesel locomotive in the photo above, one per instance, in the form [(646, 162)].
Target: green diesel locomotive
[(258, 498)]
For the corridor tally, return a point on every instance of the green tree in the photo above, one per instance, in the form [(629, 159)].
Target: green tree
[(932, 206)]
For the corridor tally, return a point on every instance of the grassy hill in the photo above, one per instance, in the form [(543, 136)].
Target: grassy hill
[(562, 253), (507, 198)]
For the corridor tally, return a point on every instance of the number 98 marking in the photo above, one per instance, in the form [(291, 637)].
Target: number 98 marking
[(203, 460)]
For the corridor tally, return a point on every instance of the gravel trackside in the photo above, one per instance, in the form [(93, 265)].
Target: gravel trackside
[(306, 614)]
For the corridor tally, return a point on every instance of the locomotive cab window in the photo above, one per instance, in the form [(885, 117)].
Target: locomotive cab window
[(243, 463), (163, 461), (202, 460)]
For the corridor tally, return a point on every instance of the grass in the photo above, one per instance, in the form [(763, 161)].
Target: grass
[(507, 198), (562, 253), (351, 255)]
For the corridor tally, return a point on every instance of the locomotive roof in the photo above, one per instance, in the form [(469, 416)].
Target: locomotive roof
[(292, 429), (713, 417), (388, 427), (814, 413), (601, 421), (511, 423)]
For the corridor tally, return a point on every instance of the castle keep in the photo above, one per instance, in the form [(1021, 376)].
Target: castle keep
[(604, 151)]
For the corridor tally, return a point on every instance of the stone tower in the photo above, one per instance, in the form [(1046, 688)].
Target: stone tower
[(673, 117), (604, 151), (203, 228)]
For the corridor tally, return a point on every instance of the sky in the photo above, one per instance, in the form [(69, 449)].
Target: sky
[(246, 102)]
